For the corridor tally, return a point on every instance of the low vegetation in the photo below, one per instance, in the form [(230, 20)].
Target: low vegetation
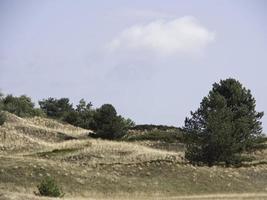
[(2, 118), (21, 106), (48, 187)]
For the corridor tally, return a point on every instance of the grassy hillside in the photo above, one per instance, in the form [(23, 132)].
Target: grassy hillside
[(33, 148)]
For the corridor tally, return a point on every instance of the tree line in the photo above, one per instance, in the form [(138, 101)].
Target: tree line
[(104, 121), (223, 129)]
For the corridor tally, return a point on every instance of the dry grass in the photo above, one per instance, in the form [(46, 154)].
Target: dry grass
[(43, 123), (34, 134), (53, 125), (98, 169), (109, 152)]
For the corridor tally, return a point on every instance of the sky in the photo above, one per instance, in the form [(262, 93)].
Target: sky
[(153, 60)]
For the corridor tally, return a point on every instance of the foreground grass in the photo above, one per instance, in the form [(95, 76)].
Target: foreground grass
[(157, 178), (98, 169)]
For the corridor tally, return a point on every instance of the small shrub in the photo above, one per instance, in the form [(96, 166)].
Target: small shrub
[(2, 118), (49, 187)]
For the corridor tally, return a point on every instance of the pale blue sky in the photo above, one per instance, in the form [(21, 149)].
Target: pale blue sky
[(153, 60)]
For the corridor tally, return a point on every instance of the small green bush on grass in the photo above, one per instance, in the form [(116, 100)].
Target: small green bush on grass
[(2, 118), (48, 187)]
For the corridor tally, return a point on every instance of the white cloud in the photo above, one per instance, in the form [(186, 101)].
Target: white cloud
[(165, 37)]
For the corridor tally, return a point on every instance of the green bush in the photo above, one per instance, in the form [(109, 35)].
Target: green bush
[(82, 116), (2, 118), (56, 108), (21, 106), (49, 187)]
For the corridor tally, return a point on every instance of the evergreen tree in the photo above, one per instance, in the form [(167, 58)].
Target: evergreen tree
[(85, 115), (56, 108), (82, 116), (108, 124), (224, 126)]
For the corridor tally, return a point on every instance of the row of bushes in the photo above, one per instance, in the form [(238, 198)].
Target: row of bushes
[(2, 118), (104, 120), (21, 106), (156, 135)]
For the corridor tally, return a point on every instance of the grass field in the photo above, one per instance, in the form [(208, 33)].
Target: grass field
[(85, 168)]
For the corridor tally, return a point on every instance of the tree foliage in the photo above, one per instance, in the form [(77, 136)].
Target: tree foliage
[(104, 120), (82, 116), (224, 126), (108, 124), (128, 123), (2, 118), (2, 114), (56, 108), (21, 106)]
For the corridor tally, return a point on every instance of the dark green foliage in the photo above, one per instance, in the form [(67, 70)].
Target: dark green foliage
[(71, 117), (1, 101), (224, 126), (104, 120), (56, 108), (82, 116), (128, 123), (49, 187), (108, 124), (21, 106), (62, 109), (2, 114), (2, 118)]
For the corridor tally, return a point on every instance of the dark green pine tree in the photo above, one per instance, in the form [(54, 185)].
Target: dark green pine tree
[(225, 126), (109, 125)]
